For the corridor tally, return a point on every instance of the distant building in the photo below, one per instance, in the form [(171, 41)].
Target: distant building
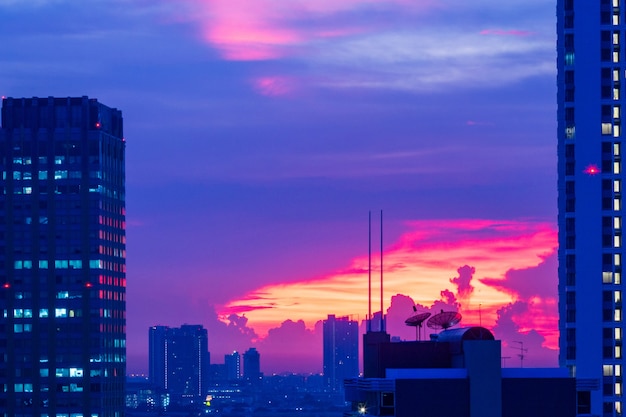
[(457, 374), (341, 351), (591, 182), (252, 365), (62, 258), (233, 366), (179, 361)]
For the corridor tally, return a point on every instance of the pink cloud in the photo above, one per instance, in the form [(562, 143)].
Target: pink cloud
[(503, 32), (274, 86), (271, 29)]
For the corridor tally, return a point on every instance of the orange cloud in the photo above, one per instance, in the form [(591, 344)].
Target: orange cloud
[(421, 263)]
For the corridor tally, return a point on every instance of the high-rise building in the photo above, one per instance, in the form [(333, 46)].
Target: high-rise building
[(233, 366), (591, 78), (341, 351), (179, 361), (252, 365), (62, 258)]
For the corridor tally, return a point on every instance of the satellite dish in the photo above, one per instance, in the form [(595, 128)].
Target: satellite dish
[(416, 320), (444, 320)]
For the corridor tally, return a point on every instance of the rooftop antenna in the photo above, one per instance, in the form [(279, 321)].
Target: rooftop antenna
[(416, 320), (369, 273), (382, 314), (521, 352), (444, 320)]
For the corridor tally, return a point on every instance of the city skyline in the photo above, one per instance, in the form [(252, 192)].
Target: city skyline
[(255, 156)]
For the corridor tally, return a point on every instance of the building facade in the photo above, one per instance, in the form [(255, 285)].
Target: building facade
[(591, 72), (341, 351), (179, 361), (232, 363), (252, 365), (62, 258)]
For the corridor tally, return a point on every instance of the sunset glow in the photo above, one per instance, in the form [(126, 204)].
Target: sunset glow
[(422, 264)]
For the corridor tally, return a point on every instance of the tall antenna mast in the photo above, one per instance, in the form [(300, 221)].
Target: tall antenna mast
[(521, 352), (382, 314), (369, 273)]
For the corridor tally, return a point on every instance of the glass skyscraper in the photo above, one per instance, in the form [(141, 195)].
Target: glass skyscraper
[(341, 351), (62, 258), (179, 361)]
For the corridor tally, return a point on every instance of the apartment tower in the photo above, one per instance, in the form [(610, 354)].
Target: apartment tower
[(591, 78), (341, 351), (62, 258), (179, 361)]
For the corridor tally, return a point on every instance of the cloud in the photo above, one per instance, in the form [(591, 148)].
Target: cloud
[(464, 281)]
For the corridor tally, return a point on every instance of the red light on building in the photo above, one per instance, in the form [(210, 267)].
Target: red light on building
[(592, 170), (6, 285), (97, 125), (89, 285)]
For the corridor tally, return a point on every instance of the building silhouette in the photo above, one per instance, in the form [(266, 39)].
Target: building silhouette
[(179, 361), (341, 351), (232, 363), (591, 62), (62, 258), (457, 373), (252, 365)]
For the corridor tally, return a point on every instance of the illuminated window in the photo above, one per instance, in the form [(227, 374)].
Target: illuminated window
[(617, 223), (616, 112), (618, 368), (615, 3), (43, 264), (615, 56), (607, 370), (617, 259), (43, 175), (60, 312), (43, 312), (617, 186), (618, 333), (618, 352), (617, 278), (615, 20), (616, 131), (618, 314), (616, 94), (617, 206), (617, 297), (76, 372), (618, 388), (617, 241), (569, 58), (607, 128), (607, 277), (616, 149)]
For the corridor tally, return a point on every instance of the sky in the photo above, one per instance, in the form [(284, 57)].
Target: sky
[(261, 134)]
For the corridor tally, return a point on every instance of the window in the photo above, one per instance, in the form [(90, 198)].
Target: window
[(616, 112), (607, 370), (607, 128)]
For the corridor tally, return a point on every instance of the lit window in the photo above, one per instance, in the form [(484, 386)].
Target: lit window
[(616, 149), (616, 167), (43, 264), (607, 370), (615, 3), (617, 204), (43, 175), (617, 296), (76, 372), (617, 186), (28, 264), (618, 352), (61, 264), (607, 128), (63, 295), (618, 388), (43, 312), (618, 314), (618, 333), (618, 407), (617, 259), (18, 264), (617, 241), (569, 58), (615, 56), (60, 312), (615, 20), (615, 39), (616, 112), (618, 370), (616, 131), (617, 278), (44, 372), (617, 223), (607, 277)]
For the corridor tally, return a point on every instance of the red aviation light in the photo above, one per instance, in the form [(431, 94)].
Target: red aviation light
[(89, 285), (6, 285), (98, 125), (592, 170)]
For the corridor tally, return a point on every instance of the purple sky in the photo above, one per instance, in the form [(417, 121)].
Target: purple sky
[(260, 133)]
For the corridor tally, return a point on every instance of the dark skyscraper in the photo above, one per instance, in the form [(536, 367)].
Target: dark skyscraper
[(251, 365), (591, 65), (179, 361), (233, 366), (62, 258), (341, 351)]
